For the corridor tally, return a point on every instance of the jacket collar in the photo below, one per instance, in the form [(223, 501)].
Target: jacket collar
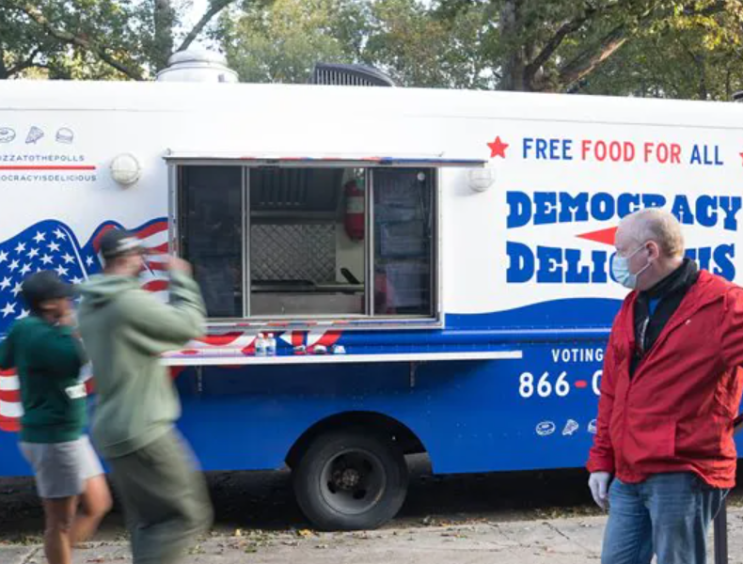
[(707, 289)]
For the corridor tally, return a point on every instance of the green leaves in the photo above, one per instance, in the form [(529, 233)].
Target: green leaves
[(695, 53), (281, 41), (672, 48), (95, 39)]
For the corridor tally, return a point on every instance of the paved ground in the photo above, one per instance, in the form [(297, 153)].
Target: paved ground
[(522, 518), (571, 541), (555, 541)]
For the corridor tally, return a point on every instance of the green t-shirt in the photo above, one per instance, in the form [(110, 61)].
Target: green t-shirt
[(48, 360)]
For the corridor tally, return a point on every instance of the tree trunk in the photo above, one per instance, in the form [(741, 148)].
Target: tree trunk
[(165, 21), (515, 61), (3, 68), (703, 90)]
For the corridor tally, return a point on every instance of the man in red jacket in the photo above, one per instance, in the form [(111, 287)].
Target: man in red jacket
[(670, 391)]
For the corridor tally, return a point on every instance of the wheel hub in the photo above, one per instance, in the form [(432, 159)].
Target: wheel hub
[(347, 479), (353, 481)]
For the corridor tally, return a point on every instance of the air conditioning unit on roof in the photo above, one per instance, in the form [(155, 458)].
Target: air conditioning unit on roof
[(349, 75)]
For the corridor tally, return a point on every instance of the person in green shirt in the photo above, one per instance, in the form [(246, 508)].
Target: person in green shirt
[(125, 330), (48, 358)]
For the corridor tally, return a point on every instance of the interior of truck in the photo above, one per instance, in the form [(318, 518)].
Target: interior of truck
[(307, 242)]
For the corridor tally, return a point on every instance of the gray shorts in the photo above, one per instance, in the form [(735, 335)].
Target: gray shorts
[(61, 469)]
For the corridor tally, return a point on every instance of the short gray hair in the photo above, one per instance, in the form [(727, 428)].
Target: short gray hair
[(661, 226)]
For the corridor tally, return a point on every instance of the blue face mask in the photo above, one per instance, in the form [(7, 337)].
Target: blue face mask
[(620, 269)]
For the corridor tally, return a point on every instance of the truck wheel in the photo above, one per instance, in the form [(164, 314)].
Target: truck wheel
[(351, 480)]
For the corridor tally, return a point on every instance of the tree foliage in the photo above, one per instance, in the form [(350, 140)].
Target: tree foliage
[(97, 39), (697, 56), (419, 47), (280, 41), (671, 48), (556, 46)]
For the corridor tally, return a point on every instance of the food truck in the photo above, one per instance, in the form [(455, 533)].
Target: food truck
[(386, 270)]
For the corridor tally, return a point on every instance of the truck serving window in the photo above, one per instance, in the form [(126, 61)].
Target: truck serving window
[(293, 242), (211, 203), (305, 258), (403, 242)]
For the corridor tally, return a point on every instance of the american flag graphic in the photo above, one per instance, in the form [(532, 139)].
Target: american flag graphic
[(51, 245), (311, 339), (243, 343)]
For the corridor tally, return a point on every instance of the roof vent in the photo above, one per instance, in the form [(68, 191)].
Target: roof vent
[(349, 75), (196, 65)]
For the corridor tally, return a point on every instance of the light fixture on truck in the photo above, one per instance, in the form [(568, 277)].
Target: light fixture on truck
[(480, 179), (125, 169)]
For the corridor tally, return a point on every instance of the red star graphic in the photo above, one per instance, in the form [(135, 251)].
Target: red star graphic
[(741, 155), (605, 236), (498, 148)]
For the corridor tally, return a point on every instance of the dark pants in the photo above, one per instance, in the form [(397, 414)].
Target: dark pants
[(165, 499), (667, 515)]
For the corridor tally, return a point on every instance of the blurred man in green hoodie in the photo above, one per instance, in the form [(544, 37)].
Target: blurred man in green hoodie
[(125, 330)]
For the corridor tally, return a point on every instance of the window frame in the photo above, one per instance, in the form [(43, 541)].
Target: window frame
[(366, 321)]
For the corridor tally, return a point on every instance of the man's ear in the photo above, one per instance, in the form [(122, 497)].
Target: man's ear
[(653, 250)]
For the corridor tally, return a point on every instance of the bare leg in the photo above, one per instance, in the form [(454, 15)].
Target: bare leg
[(95, 502), (59, 514)]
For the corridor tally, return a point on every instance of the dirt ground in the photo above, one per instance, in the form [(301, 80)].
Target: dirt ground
[(265, 501)]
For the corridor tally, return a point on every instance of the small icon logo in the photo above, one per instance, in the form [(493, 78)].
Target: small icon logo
[(592, 427), (570, 428), (545, 428), (34, 134), (6, 134), (65, 135)]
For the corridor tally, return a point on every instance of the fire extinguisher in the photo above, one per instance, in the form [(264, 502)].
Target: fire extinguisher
[(354, 220)]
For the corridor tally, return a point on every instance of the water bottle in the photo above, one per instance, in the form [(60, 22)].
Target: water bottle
[(271, 345), (260, 345)]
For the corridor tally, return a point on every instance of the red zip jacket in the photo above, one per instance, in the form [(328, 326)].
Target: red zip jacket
[(676, 413)]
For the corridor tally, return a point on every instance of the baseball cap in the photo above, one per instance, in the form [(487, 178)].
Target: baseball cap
[(43, 286), (117, 242)]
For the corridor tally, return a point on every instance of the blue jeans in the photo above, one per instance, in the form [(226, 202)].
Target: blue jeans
[(667, 515)]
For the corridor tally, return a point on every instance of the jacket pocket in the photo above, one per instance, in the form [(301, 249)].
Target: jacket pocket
[(705, 438), (649, 438)]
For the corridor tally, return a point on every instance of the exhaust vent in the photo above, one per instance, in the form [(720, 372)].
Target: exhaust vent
[(349, 75)]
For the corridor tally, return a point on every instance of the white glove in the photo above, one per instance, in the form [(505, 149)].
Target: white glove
[(599, 485)]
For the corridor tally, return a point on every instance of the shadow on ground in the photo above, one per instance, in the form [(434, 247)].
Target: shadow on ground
[(264, 500)]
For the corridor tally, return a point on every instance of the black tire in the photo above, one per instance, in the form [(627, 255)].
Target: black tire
[(351, 480)]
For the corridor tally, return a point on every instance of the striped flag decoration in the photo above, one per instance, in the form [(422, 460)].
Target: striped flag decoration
[(10, 401), (154, 236), (51, 245), (238, 343)]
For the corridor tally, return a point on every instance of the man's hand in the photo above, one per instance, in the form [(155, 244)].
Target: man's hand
[(58, 312), (599, 485), (176, 264), (67, 319)]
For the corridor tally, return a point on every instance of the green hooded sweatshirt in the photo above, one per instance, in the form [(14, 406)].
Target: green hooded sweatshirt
[(125, 330)]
